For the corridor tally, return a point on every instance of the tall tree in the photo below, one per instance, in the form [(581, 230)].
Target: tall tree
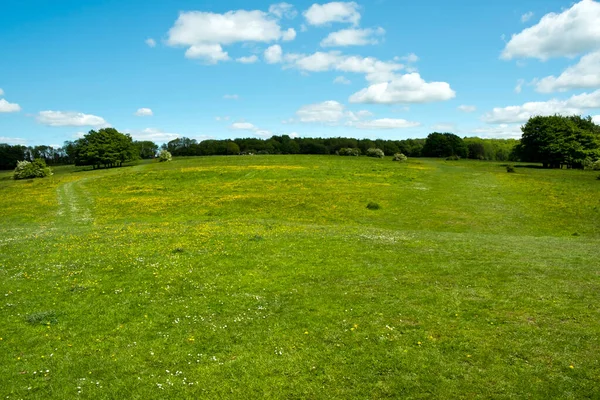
[(106, 147), (444, 145), (556, 140)]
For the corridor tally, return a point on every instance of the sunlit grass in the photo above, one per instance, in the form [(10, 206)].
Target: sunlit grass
[(252, 277)]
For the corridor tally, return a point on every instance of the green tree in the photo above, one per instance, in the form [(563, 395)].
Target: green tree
[(556, 140), (106, 147), (444, 145), (145, 149)]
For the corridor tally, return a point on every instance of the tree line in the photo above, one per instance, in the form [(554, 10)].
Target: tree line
[(554, 141)]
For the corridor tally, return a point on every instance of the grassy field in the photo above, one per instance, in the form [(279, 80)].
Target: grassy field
[(268, 277)]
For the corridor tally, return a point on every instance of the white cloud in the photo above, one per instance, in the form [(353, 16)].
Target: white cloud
[(321, 14), (443, 127), (273, 54), (151, 42), (502, 131), (374, 69), (12, 141), (68, 118), (144, 112), (519, 86), (342, 80), (527, 16), (1, 92), (596, 119), (231, 97), (281, 10), (247, 60), (211, 53), (327, 112), (409, 88), (359, 115), (572, 32), (467, 109), (385, 123), (204, 33), (6, 107), (410, 58), (576, 104), (584, 74), (352, 37), (288, 35), (225, 118), (153, 134), (247, 126)]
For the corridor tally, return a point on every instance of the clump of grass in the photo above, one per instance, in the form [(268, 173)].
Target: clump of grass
[(256, 238), (373, 206), (598, 177), (510, 169), (178, 250), (453, 157), (42, 318)]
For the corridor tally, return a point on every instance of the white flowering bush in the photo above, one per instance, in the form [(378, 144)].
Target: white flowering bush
[(377, 153), (399, 157), (164, 156), (30, 170), (347, 151)]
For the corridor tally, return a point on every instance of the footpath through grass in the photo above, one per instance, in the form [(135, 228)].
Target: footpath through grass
[(268, 277)]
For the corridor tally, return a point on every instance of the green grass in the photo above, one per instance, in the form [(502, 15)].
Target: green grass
[(270, 277)]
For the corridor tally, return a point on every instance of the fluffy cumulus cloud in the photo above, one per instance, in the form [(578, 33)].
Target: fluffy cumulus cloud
[(337, 11), (12, 141), (467, 109), (6, 107), (353, 37), (374, 70), (247, 126), (151, 42), (283, 10), (527, 16), (210, 53), (409, 88), (576, 104), (385, 123), (144, 112), (205, 33), (596, 119), (572, 32), (68, 118), (153, 134), (341, 80), (247, 60), (584, 74), (502, 131), (273, 54), (334, 113), (327, 112)]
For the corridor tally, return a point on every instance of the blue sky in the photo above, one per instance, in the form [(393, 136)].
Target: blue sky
[(224, 69)]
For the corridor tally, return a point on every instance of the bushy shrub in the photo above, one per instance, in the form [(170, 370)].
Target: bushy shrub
[(164, 156), (510, 168), (35, 169), (596, 166), (453, 158), (347, 151), (377, 153), (399, 157), (373, 206)]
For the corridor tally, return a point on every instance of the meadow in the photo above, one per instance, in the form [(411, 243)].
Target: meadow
[(268, 277)]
